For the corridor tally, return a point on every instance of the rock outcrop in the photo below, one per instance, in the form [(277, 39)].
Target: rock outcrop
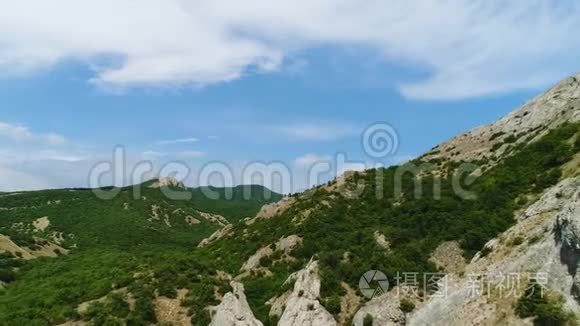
[(448, 256), (234, 309), (547, 237), (167, 182), (302, 306), (284, 245), (547, 111), (270, 210), (383, 309), (381, 240), (224, 231), (568, 224)]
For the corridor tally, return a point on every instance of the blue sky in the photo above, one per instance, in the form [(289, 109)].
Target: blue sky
[(286, 90)]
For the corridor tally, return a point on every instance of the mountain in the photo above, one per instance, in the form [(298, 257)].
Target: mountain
[(499, 201), (86, 245)]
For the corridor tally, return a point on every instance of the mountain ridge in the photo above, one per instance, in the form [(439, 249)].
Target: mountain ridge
[(299, 261)]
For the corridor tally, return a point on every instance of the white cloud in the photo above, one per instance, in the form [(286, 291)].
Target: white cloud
[(319, 132), (55, 139), (178, 141), (21, 133), (190, 154), (15, 132), (464, 47), (152, 154), (309, 160)]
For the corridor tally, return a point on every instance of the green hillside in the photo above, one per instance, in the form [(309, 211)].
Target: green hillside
[(109, 242), (344, 226), (118, 249)]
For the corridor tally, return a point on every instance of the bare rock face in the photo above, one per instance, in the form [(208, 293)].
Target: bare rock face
[(167, 182), (303, 307), (270, 210), (215, 218), (568, 233), (381, 240), (224, 231), (384, 310), (234, 309), (568, 224), (548, 231), (284, 244), (448, 256), (549, 110)]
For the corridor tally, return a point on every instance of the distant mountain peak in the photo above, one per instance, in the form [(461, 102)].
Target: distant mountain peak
[(166, 182)]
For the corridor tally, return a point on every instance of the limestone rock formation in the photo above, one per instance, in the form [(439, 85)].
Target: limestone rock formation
[(224, 231), (167, 182), (284, 244), (548, 230), (383, 309), (234, 309), (303, 307), (549, 110)]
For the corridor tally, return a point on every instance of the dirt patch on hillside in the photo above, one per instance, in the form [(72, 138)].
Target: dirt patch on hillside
[(170, 312), (41, 224), (8, 245), (448, 256)]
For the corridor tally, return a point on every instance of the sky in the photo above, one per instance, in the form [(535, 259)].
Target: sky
[(214, 84)]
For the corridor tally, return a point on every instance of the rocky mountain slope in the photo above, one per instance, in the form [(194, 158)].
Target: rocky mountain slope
[(299, 261), (531, 210), (556, 106)]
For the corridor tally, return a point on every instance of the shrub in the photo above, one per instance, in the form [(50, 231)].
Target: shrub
[(406, 305), (535, 239), (201, 318), (7, 276), (265, 261), (516, 241), (521, 201), (496, 146), (548, 178), (167, 290), (495, 135), (485, 251), (546, 309), (332, 304), (368, 320), (510, 139)]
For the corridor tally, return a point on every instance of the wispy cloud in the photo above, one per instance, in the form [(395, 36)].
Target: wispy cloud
[(309, 160), (21, 133), (190, 154), (465, 48), (315, 132), (178, 141), (153, 154)]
